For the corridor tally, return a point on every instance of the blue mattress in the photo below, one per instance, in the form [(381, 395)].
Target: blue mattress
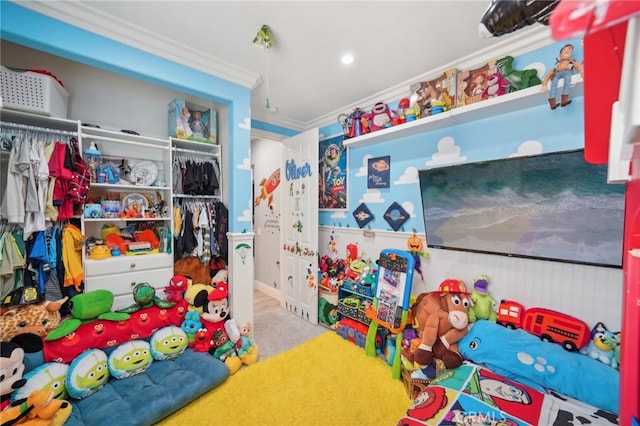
[(149, 397)]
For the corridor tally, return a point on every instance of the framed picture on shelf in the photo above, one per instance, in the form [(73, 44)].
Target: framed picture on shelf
[(333, 175)]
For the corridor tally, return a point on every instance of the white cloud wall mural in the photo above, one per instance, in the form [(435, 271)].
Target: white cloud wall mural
[(245, 124), (339, 215), (372, 196), (409, 176), (448, 153), (528, 148), (246, 214), (408, 206), (246, 162), (362, 170)]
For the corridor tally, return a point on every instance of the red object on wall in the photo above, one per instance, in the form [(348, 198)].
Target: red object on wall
[(630, 347), (571, 18), (603, 54)]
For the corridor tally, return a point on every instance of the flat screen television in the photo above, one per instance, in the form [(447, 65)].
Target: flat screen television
[(551, 206)]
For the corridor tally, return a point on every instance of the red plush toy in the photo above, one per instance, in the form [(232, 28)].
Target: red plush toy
[(177, 286), (201, 341)]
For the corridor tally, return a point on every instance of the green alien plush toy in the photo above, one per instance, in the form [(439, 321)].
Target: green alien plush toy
[(484, 306)]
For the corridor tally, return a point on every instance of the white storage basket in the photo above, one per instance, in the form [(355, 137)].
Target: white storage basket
[(33, 92)]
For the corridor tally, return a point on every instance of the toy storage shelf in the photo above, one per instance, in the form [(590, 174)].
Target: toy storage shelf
[(149, 161), (522, 99), (352, 291)]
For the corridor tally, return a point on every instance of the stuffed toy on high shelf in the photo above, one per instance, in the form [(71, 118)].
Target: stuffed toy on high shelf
[(564, 68)]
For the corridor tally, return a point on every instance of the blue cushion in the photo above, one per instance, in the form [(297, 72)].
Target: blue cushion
[(146, 398), (523, 357)]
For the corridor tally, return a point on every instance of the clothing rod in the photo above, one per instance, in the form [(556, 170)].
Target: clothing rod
[(37, 129), (193, 151), (202, 197)]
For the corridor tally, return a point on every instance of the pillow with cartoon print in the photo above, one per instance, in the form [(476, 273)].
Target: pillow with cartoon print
[(168, 343), (87, 373), (51, 375), (129, 359)]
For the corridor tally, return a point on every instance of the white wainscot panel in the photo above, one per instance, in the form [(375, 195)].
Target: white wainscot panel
[(589, 293)]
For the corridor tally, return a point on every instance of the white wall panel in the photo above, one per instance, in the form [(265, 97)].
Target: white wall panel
[(588, 293)]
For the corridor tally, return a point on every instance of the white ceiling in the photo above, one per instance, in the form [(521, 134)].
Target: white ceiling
[(394, 44)]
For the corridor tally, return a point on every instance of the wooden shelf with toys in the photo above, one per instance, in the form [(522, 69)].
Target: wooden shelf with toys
[(522, 99)]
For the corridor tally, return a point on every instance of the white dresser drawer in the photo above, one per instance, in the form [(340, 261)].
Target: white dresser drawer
[(121, 285), (122, 264)]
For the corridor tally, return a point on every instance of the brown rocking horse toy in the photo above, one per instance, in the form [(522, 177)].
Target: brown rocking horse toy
[(441, 319)]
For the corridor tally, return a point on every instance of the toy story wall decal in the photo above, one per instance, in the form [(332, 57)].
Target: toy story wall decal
[(267, 187), (333, 175), (378, 172)]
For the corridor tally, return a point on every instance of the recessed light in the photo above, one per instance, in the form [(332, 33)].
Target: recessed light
[(347, 59)]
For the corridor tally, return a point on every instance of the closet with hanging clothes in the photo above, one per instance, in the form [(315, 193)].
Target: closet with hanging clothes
[(37, 261), (196, 177)]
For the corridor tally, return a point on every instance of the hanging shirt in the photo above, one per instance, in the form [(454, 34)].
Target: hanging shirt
[(203, 226), (72, 243), (35, 220), (12, 207), (176, 174), (11, 267)]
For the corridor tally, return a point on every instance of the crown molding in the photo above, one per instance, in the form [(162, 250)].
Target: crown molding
[(277, 120), (514, 44), (263, 134), (83, 15)]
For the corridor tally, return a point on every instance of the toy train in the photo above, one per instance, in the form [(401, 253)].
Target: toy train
[(550, 326)]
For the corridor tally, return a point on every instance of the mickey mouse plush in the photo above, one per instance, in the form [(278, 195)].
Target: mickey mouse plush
[(12, 366), (216, 314)]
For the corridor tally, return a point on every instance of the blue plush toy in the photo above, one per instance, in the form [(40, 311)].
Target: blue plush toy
[(602, 345), (523, 357), (191, 324)]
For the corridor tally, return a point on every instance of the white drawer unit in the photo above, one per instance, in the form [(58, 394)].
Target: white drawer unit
[(124, 264), (122, 284)]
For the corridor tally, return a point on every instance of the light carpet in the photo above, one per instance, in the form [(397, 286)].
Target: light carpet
[(278, 330), (324, 381)]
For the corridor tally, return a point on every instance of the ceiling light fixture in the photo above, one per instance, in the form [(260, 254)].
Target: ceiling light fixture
[(347, 59), (264, 40)]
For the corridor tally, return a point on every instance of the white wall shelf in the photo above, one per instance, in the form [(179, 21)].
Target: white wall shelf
[(522, 99), (126, 219), (184, 145), (128, 187)]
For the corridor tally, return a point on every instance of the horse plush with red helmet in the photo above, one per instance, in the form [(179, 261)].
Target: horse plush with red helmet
[(441, 319)]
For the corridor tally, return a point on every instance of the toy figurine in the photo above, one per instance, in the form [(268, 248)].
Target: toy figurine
[(125, 170), (563, 70)]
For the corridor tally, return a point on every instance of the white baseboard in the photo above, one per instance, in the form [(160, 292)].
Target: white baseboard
[(267, 289)]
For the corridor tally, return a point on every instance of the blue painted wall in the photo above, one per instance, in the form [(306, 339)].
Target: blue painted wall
[(23, 26), (534, 130)]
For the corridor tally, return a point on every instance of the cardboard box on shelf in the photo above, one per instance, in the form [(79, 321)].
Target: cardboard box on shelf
[(475, 85), (439, 92), (192, 122)]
